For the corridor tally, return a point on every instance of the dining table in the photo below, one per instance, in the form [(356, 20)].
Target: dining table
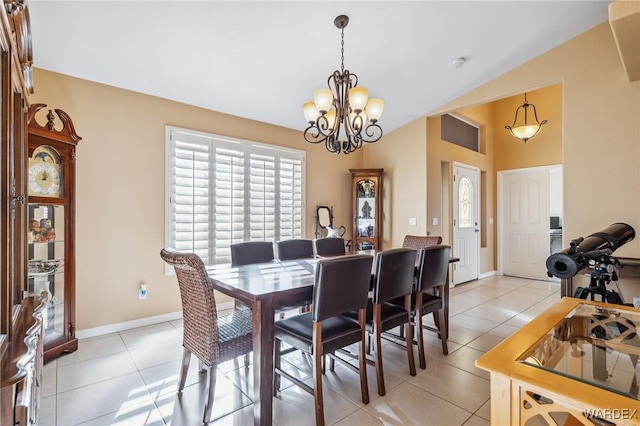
[(265, 287)]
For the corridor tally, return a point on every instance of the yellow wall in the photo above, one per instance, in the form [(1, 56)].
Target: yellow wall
[(120, 189), (545, 148)]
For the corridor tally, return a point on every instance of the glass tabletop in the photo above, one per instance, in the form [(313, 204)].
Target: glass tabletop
[(596, 345)]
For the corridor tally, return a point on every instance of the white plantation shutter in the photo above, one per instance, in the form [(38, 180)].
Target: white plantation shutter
[(222, 191)]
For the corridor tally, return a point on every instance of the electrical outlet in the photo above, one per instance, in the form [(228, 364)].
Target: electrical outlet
[(142, 292), (435, 221)]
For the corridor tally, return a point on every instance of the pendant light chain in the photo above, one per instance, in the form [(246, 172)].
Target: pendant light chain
[(342, 51)]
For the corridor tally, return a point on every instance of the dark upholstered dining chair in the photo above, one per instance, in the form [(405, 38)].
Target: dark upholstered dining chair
[(297, 248), (250, 252), (329, 246), (393, 279), (433, 265), (210, 338), (341, 285), (420, 241)]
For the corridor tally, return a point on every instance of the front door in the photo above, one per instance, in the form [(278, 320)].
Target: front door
[(465, 222)]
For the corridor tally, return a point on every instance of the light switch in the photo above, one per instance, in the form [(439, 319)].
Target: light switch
[(435, 221), (490, 221), (413, 221)]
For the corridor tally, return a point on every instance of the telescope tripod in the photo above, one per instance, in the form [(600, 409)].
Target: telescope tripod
[(603, 273)]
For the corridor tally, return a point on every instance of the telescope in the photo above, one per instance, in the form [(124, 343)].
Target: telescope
[(567, 263)]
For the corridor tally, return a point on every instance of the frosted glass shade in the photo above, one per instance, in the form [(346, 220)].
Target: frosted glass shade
[(358, 98), (525, 132), (310, 112), (374, 109), (323, 99)]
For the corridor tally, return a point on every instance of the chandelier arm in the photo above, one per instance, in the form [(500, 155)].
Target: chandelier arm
[(312, 135), (373, 132)]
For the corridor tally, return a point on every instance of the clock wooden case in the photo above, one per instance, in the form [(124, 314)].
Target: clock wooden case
[(51, 220)]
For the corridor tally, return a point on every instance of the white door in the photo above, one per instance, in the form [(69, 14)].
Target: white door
[(524, 218), (465, 222)]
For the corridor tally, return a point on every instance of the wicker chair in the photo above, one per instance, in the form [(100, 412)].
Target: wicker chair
[(419, 241), (211, 338)]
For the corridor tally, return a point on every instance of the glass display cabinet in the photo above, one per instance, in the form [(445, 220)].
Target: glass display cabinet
[(51, 227), (366, 187)]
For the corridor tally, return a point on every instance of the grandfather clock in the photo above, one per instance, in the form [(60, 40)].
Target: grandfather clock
[(51, 210)]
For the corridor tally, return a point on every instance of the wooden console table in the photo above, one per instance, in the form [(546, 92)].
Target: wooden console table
[(534, 371)]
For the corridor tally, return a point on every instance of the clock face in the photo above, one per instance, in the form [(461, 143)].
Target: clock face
[(44, 179)]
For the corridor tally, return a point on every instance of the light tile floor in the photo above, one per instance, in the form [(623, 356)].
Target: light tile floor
[(130, 378)]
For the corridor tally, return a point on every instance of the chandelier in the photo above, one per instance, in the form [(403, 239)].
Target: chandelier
[(343, 116), (525, 131)]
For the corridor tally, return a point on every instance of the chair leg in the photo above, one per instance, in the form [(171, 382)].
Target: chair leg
[(212, 389), (421, 356), (186, 359), (276, 364), (362, 357), (409, 336), (378, 348), (317, 372), (442, 331)]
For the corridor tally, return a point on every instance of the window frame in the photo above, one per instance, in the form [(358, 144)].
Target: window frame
[(247, 147)]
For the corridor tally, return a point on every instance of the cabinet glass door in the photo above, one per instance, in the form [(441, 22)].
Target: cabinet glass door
[(46, 264), (366, 212)]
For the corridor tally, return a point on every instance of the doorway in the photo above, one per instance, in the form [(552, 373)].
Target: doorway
[(526, 204), (465, 222)]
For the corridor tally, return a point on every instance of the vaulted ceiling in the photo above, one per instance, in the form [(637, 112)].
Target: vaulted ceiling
[(262, 60)]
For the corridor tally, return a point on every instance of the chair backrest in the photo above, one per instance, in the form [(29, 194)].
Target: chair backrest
[(394, 274), (199, 315), (298, 248), (250, 252), (433, 264), (420, 241), (329, 246), (341, 285)]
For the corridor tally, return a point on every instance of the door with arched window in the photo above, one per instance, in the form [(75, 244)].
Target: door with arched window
[(465, 222)]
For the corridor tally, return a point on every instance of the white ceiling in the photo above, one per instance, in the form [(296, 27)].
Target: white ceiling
[(262, 60)]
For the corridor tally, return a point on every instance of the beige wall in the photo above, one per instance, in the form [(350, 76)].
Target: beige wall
[(402, 155), (593, 130), (120, 189), (601, 130)]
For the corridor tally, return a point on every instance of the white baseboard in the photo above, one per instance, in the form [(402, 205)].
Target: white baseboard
[(128, 325), (487, 274)]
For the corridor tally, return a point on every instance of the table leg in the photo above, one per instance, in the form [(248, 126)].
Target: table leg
[(263, 340)]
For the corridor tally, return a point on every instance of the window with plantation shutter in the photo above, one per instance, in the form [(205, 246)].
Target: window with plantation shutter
[(222, 190)]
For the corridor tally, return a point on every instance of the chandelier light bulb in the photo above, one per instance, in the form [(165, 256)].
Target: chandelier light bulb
[(374, 109), (358, 97), (323, 99), (310, 112)]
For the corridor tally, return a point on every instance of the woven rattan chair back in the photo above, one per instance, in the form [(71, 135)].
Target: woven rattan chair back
[(199, 313), (419, 241)]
